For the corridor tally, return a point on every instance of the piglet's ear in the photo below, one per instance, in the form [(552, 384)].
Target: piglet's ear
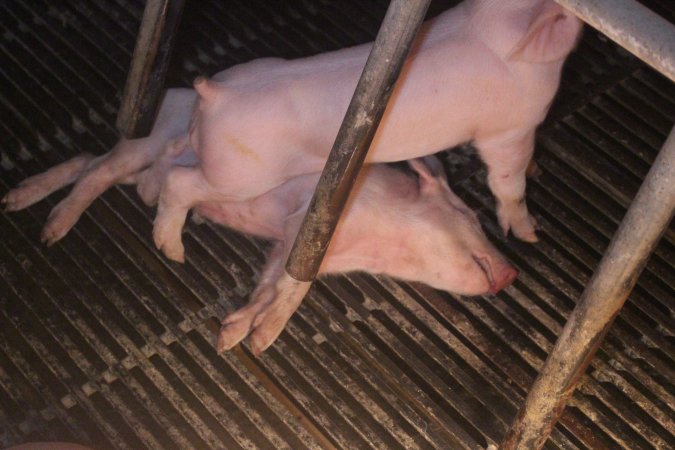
[(551, 35), (429, 169), (205, 88)]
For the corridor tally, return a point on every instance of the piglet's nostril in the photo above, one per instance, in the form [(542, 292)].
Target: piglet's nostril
[(484, 264)]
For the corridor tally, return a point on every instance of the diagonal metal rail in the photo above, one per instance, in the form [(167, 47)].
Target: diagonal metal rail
[(633, 26), (365, 110), (145, 82)]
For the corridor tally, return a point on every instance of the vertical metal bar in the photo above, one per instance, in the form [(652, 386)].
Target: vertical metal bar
[(372, 93), (149, 64), (644, 223), (639, 30)]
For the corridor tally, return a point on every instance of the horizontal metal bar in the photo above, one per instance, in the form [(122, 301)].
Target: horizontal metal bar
[(633, 26), (145, 81), (639, 232), (372, 93)]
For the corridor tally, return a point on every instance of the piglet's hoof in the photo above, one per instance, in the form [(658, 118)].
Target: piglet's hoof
[(521, 224), (525, 229), (61, 219), (171, 247), (263, 323), (234, 329), (265, 317), (166, 233)]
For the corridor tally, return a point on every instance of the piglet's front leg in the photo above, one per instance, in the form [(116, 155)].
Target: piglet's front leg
[(272, 304), (183, 188), (508, 159)]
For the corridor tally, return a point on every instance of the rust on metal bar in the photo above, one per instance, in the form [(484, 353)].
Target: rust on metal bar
[(149, 64), (646, 220), (365, 110), (636, 28)]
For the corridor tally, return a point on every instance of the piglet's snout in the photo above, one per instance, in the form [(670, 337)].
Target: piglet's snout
[(499, 274), (506, 276)]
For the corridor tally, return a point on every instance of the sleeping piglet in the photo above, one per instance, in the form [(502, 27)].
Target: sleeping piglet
[(485, 71), (410, 228)]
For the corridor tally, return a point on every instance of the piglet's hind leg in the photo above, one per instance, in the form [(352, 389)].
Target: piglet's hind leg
[(91, 183), (33, 189), (121, 164), (183, 188)]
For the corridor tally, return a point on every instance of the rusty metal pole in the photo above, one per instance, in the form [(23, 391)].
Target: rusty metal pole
[(644, 223), (639, 30), (145, 81), (373, 90)]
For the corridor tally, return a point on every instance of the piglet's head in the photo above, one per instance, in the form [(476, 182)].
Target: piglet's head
[(459, 258)]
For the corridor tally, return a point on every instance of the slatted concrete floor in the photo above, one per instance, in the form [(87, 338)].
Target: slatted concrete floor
[(105, 342)]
